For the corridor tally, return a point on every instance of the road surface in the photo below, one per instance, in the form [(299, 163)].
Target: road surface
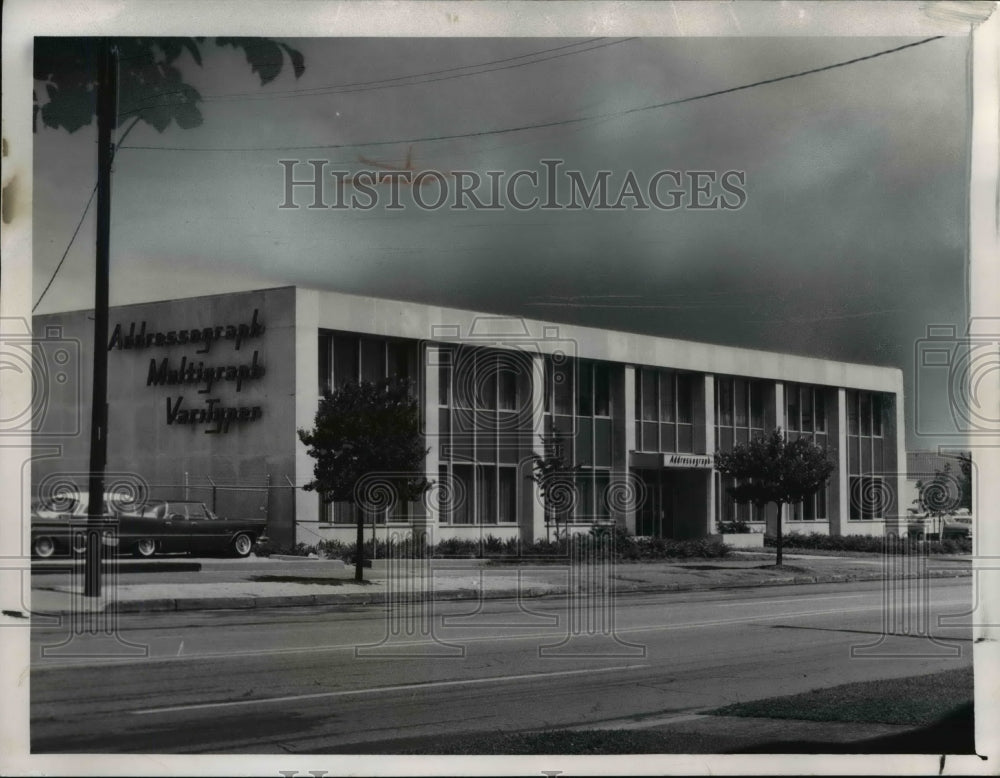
[(294, 680)]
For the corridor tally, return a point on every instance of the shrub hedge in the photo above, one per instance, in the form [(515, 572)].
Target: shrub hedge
[(871, 543), (624, 546)]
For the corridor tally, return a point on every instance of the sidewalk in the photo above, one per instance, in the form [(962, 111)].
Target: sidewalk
[(285, 582)]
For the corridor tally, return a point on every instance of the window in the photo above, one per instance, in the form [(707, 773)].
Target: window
[(562, 389), (444, 378), (871, 496), (812, 509), (358, 357), (602, 390), (507, 373), (792, 421), (739, 411), (666, 397), (508, 495), (806, 406), (345, 359), (648, 395), (806, 410), (685, 399), (820, 411), (482, 435), (462, 509), (584, 391), (325, 367), (401, 360), (725, 395), (868, 497), (372, 359)]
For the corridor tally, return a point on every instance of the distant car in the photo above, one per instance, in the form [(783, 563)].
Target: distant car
[(58, 521), (956, 525), (163, 526)]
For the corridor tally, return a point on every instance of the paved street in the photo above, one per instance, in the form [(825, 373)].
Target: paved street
[(291, 679)]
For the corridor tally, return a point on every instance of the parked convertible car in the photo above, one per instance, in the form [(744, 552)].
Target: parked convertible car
[(180, 525), (58, 522)]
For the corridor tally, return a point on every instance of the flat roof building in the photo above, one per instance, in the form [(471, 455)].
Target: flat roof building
[(206, 395)]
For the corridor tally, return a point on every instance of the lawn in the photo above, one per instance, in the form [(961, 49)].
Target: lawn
[(939, 706), (921, 699)]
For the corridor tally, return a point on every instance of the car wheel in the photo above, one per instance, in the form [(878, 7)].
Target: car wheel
[(80, 543), (43, 546), (145, 547), (242, 545)]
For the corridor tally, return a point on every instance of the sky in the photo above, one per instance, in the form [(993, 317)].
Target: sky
[(851, 241)]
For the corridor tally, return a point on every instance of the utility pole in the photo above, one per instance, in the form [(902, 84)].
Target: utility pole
[(107, 119)]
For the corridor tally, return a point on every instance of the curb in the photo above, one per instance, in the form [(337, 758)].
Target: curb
[(252, 602), (50, 566)]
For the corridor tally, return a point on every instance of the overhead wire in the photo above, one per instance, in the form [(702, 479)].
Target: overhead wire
[(483, 133), (553, 123)]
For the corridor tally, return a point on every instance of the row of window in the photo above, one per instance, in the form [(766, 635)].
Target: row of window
[(346, 358), (664, 410), (577, 387), (481, 389), (815, 508)]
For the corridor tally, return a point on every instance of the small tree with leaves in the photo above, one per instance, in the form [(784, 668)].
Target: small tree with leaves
[(363, 429), (946, 492), (772, 469), (554, 473)]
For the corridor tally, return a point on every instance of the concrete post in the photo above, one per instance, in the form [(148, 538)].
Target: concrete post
[(839, 522), (709, 443), (426, 517), (533, 524), (629, 416), (779, 421)]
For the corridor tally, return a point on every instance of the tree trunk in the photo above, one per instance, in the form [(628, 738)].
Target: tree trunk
[(777, 560), (359, 549)]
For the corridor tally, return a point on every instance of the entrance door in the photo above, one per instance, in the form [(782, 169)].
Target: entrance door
[(654, 515)]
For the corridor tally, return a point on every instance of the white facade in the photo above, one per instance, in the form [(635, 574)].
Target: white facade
[(643, 415)]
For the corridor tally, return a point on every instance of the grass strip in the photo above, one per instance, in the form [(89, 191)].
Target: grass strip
[(920, 699), (300, 579)]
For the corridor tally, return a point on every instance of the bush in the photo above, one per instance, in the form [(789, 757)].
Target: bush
[(456, 547), (869, 543), (625, 547), (734, 528)]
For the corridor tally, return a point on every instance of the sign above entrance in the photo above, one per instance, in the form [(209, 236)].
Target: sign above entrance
[(687, 460)]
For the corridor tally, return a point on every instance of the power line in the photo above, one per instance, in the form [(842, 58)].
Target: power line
[(66, 252), (336, 87), (555, 123), (82, 217), (387, 83)]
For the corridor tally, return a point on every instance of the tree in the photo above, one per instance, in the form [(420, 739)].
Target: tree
[(772, 469), (361, 430), (88, 77), (554, 474), (946, 492), (150, 86)]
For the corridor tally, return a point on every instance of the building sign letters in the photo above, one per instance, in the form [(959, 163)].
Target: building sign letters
[(686, 460), (203, 337), (190, 372)]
